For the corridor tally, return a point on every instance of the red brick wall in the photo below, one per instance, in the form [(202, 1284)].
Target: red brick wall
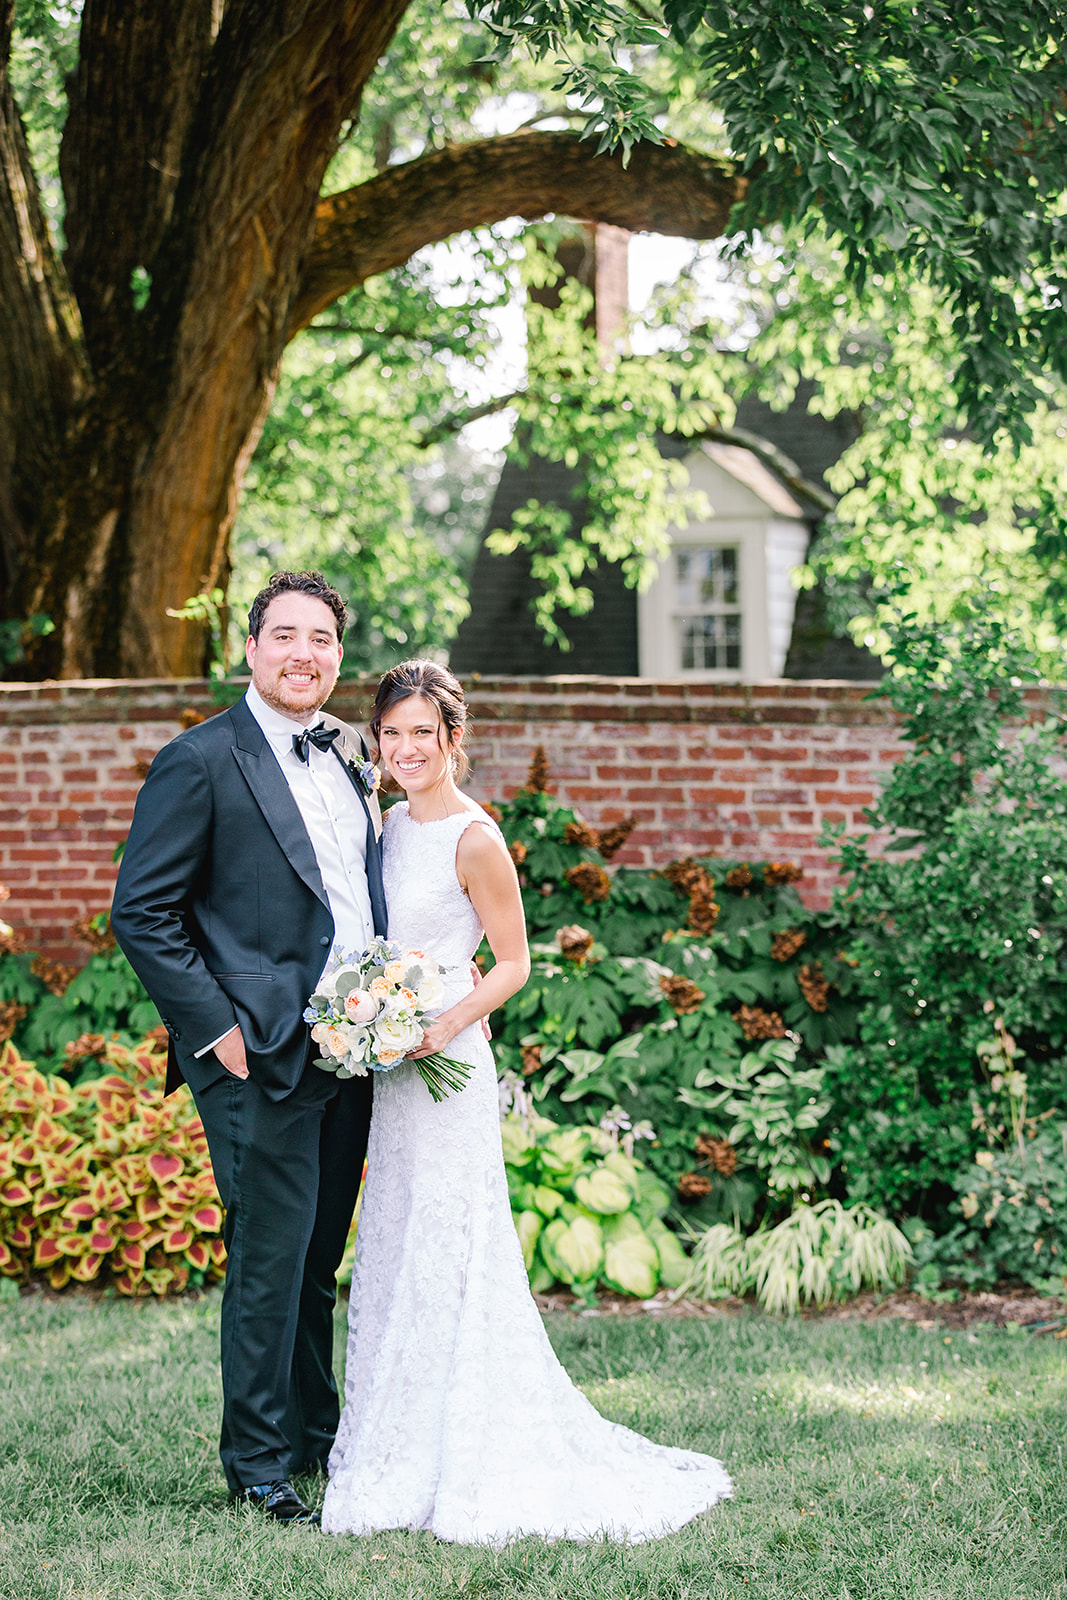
[(742, 771)]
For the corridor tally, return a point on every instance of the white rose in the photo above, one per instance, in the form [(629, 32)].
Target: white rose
[(388, 1058), (320, 1032), (396, 971), (361, 1006), (396, 1033), (430, 993)]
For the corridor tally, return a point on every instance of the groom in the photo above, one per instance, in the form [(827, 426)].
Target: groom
[(253, 850)]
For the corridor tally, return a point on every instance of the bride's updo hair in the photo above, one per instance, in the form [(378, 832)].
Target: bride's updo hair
[(435, 684)]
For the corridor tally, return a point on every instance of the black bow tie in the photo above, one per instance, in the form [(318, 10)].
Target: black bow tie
[(320, 736)]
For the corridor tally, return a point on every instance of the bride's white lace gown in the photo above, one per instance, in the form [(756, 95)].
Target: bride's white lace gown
[(458, 1417)]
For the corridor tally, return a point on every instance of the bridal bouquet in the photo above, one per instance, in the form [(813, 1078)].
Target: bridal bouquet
[(368, 1011)]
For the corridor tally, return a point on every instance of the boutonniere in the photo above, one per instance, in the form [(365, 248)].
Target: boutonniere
[(367, 775)]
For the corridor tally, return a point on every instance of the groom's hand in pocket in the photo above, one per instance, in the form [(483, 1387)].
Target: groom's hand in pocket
[(231, 1052)]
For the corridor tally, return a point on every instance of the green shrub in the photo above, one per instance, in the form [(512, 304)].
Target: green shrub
[(962, 916), (649, 991), (61, 1017), (1012, 1197)]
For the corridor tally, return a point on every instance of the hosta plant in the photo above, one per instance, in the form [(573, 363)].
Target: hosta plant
[(105, 1182), (819, 1254), (586, 1212)]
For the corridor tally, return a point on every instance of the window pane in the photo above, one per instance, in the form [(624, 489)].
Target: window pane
[(710, 642), (706, 577)]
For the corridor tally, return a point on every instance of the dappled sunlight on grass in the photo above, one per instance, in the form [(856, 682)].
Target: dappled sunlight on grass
[(870, 1461)]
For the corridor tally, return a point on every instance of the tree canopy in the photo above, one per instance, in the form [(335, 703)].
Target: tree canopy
[(184, 189)]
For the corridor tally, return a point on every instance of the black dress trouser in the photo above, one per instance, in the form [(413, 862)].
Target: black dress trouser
[(288, 1173)]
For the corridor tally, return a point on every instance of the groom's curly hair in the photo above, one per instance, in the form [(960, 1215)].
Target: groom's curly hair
[(309, 583)]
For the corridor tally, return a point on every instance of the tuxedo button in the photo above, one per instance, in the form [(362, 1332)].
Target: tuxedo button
[(324, 939)]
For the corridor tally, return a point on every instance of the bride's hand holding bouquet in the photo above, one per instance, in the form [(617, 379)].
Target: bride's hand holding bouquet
[(370, 1012)]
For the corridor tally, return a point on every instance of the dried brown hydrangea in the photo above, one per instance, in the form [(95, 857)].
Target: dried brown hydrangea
[(539, 773), (517, 852), (494, 811), (531, 1059), (687, 875), (719, 1154), (574, 942), (787, 943), (703, 909), (740, 877), (55, 975), (591, 881), (693, 1186), (755, 1023), (813, 986), (612, 839), (682, 994), (96, 934), (578, 833), (11, 943), (777, 873), (87, 1046), (140, 768), (11, 1015), (191, 716)]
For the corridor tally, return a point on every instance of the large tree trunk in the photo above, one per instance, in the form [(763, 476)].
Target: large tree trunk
[(135, 375)]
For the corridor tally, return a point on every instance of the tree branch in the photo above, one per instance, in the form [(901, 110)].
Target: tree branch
[(456, 421), (380, 224)]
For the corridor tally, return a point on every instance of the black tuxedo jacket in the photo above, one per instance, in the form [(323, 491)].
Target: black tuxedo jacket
[(220, 906)]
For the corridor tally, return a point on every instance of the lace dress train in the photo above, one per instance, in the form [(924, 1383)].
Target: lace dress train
[(458, 1417)]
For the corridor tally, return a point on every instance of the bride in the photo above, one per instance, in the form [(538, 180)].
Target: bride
[(458, 1417)]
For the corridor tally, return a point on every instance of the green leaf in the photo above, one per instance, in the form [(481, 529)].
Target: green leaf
[(528, 1225), (632, 1265), (603, 1191), (574, 1250)]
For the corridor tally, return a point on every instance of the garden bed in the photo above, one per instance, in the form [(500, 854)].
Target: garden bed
[(1000, 1308)]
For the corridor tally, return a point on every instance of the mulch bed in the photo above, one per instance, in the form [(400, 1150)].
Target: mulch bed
[(999, 1307)]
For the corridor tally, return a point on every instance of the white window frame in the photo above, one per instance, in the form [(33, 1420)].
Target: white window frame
[(718, 606)]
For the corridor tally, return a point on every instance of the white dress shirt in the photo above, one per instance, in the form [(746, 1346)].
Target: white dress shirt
[(336, 823)]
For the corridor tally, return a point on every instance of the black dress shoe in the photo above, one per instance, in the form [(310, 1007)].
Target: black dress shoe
[(278, 1500)]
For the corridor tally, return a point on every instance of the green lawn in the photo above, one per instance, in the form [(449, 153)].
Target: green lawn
[(869, 1460)]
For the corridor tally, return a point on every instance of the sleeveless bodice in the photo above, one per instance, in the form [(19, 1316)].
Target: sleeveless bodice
[(427, 908)]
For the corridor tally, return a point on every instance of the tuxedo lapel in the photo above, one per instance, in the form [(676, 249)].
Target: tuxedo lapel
[(274, 797)]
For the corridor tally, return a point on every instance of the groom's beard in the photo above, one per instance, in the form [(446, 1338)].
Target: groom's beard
[(289, 700)]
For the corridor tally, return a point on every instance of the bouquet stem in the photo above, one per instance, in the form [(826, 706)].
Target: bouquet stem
[(441, 1075)]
